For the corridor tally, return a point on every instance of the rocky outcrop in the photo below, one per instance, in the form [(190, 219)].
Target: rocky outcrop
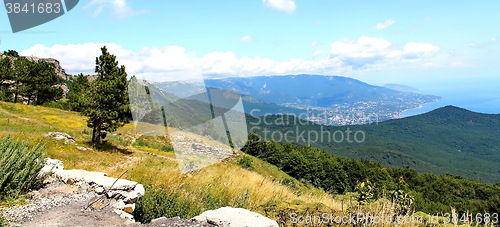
[(57, 68), (124, 192), (235, 217), (66, 192), (61, 136)]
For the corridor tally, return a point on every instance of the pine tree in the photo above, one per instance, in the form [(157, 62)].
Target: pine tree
[(39, 85), (5, 79), (11, 53), (21, 70), (106, 103), (77, 88)]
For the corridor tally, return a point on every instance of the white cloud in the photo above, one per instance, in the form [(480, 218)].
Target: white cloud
[(493, 39), (413, 50), (364, 51), (460, 65), (287, 6), (384, 25), (247, 38), (119, 8), (314, 44), (318, 53), (369, 51), (176, 63), (420, 48)]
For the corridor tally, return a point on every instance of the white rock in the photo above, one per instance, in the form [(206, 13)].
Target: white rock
[(199, 218), (51, 165), (99, 190), (78, 175), (237, 217), (158, 219), (117, 204), (124, 214), (61, 136), (83, 148)]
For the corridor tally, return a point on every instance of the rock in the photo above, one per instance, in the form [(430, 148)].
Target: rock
[(51, 166), (61, 136), (237, 217), (199, 219), (129, 191), (129, 208), (214, 221), (83, 148), (117, 204), (124, 214), (78, 175), (99, 190), (160, 219)]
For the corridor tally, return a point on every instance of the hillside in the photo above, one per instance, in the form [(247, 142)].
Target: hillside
[(260, 187), (447, 140)]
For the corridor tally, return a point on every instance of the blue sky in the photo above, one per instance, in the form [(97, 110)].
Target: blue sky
[(419, 43)]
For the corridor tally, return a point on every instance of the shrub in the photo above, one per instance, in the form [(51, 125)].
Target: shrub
[(246, 162), (159, 202), (19, 166)]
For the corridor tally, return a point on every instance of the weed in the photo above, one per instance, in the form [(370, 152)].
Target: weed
[(19, 166)]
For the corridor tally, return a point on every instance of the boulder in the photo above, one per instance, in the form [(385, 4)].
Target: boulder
[(129, 208), (61, 136), (128, 191), (51, 166), (236, 217)]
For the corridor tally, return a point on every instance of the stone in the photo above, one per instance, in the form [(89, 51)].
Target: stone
[(124, 214), (214, 221), (160, 219), (61, 136), (51, 166), (83, 148), (117, 204), (129, 208), (99, 190), (229, 216), (199, 219)]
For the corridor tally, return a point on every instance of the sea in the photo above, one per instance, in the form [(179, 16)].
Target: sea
[(474, 96)]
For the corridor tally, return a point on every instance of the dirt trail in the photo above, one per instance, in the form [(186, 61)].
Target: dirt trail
[(22, 118)]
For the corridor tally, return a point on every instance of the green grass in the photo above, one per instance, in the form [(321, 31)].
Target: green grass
[(150, 161)]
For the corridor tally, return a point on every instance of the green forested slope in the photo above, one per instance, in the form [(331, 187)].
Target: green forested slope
[(447, 140)]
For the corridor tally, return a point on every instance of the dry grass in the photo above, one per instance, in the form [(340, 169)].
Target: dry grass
[(223, 184)]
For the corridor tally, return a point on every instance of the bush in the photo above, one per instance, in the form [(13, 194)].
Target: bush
[(246, 163), (159, 202), (19, 167)]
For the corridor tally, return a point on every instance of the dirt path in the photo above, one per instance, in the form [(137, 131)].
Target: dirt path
[(4, 111)]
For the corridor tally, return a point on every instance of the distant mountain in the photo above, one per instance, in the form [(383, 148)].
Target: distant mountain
[(336, 98), (191, 88), (447, 140), (310, 90)]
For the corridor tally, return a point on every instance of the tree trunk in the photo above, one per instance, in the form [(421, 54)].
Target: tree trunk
[(96, 134)]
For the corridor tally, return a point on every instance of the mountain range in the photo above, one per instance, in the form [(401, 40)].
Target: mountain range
[(339, 100)]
